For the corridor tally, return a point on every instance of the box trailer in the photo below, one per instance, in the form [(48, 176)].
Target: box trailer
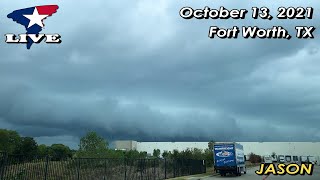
[(229, 158)]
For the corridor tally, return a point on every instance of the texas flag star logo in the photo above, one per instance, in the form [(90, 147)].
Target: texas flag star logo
[(33, 20), (36, 18)]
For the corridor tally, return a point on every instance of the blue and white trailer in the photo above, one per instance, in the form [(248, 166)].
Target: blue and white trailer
[(229, 158)]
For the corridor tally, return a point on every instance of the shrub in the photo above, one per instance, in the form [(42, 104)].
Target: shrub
[(253, 158)]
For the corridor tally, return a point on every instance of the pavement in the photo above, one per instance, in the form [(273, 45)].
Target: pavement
[(251, 175)]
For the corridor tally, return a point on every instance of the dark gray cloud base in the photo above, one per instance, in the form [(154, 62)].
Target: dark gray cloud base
[(153, 76)]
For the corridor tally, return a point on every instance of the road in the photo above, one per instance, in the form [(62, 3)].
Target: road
[(251, 175)]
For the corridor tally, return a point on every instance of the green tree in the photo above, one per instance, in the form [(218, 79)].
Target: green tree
[(134, 154), (28, 147), (166, 154), (92, 145), (156, 153), (253, 158), (59, 152), (143, 154), (175, 154), (115, 153), (197, 154), (208, 157), (9, 141), (43, 150), (186, 154), (210, 145)]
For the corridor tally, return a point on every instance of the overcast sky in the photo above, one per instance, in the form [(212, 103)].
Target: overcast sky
[(137, 70)]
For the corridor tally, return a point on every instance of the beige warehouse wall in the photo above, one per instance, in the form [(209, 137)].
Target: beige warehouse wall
[(283, 148), (265, 148), (127, 145), (169, 146)]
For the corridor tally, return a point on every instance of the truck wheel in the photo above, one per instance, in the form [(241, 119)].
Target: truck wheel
[(245, 172), (238, 173)]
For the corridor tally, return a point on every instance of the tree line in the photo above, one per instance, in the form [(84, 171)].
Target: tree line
[(14, 144), (90, 146)]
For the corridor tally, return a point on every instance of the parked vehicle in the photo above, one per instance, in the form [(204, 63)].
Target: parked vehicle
[(288, 158), (312, 159), (274, 158), (247, 157), (318, 160), (295, 159), (281, 159), (267, 159), (304, 159), (229, 158)]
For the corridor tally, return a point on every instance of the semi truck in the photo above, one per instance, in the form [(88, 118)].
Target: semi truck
[(229, 158)]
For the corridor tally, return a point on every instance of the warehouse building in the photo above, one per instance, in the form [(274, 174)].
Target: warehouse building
[(259, 148), (124, 145)]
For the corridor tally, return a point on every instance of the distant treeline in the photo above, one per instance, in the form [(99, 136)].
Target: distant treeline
[(12, 143), (91, 146)]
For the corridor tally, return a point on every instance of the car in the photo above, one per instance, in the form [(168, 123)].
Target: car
[(304, 159), (312, 159), (281, 159), (267, 159)]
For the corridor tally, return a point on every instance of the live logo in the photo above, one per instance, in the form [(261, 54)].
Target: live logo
[(36, 38)]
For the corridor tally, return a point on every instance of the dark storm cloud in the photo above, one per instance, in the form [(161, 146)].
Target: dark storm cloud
[(141, 72), (38, 115)]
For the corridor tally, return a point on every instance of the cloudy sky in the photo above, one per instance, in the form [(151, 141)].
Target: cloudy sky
[(137, 70)]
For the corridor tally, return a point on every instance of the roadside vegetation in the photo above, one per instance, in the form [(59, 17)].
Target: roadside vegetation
[(93, 145), (25, 159)]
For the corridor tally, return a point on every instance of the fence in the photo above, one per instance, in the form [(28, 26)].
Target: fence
[(13, 167)]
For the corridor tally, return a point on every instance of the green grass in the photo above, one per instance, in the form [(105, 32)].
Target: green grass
[(249, 164), (210, 171)]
